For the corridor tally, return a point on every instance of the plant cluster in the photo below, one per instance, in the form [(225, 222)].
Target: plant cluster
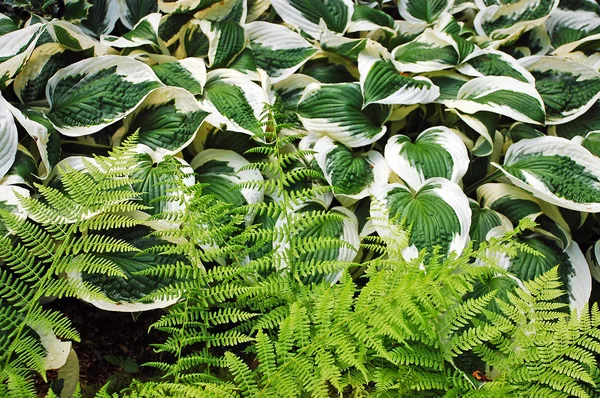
[(324, 197)]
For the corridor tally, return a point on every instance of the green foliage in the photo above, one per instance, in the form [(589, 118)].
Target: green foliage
[(340, 197)]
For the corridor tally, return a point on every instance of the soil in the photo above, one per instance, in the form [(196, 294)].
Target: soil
[(123, 335)]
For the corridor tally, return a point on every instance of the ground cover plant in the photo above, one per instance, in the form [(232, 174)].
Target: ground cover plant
[(300, 198)]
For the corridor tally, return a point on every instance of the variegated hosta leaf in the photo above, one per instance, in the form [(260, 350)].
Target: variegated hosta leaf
[(145, 32), (7, 25), (172, 26), (438, 212), (593, 258), (94, 93), (166, 121), (154, 181), (15, 49), (220, 169), (581, 126), (43, 134), (449, 84), (352, 175), (381, 82), (289, 91), (256, 8), (506, 22), (306, 14), (337, 110), (494, 63), (10, 202), (484, 123), (423, 10), (278, 50), (572, 267), (124, 293), (345, 230), (501, 95), (568, 29), (132, 11), (73, 37), (344, 46), (568, 88), (437, 152), (235, 100), (188, 73), (101, 18), (556, 170), (47, 59), (365, 18), (23, 170), (430, 51), (226, 39), (193, 41), (486, 223), (9, 138), (517, 204), (223, 10)]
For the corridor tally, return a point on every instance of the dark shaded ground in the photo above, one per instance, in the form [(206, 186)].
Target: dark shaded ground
[(105, 333)]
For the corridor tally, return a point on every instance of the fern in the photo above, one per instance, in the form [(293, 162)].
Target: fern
[(58, 240)]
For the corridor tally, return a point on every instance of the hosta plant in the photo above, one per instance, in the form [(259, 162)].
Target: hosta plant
[(253, 168)]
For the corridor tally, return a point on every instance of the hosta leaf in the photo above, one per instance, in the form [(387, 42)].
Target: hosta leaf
[(438, 212), (568, 88), (484, 123), (223, 10), (344, 46), (15, 49), (345, 229), (42, 132), (517, 204), (102, 17), (256, 8), (278, 50), (226, 39), (289, 92), (337, 110), (154, 180), (7, 25), (581, 126), (166, 121), (188, 73), (75, 10), (123, 293), (437, 152), (351, 175), (23, 170), (10, 202), (572, 268), (145, 32), (73, 37), (430, 51), (593, 258), (501, 95), (486, 223), (233, 99), (306, 14), (556, 170), (365, 18), (94, 93), (494, 63), (507, 21), (9, 138), (220, 168), (449, 84), (423, 10), (47, 59), (569, 29), (381, 82), (193, 41), (171, 27), (132, 11)]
